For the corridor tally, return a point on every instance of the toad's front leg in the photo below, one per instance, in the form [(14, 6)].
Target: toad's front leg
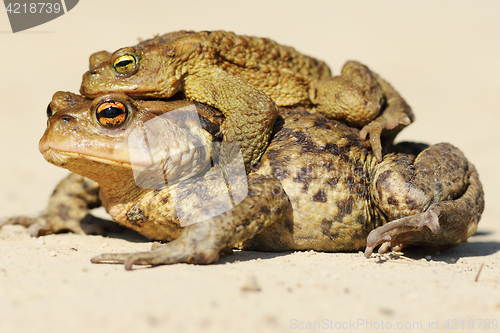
[(249, 113), (200, 243), (68, 205)]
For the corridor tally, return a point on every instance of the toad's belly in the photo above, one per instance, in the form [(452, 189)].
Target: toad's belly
[(326, 219)]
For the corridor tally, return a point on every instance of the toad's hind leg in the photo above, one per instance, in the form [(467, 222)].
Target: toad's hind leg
[(354, 96), (360, 98), (435, 202), (394, 117)]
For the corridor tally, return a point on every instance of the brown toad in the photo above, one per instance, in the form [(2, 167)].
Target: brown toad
[(240, 75), (317, 186)]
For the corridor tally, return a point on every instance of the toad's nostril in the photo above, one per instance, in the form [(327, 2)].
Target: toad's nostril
[(66, 118)]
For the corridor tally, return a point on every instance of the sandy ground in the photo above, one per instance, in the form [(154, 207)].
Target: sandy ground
[(442, 56)]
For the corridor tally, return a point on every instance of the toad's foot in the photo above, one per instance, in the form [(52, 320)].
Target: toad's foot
[(359, 97), (439, 178), (68, 205), (394, 118), (200, 243), (392, 234), (46, 225), (171, 253), (39, 226)]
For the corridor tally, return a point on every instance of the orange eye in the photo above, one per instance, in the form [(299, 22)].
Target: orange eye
[(111, 114)]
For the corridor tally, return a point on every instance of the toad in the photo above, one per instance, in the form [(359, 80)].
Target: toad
[(242, 76), (155, 166)]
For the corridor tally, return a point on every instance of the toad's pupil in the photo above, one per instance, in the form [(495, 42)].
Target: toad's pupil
[(110, 112), (123, 63)]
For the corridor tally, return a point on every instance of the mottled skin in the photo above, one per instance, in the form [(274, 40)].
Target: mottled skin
[(317, 187), (240, 75)]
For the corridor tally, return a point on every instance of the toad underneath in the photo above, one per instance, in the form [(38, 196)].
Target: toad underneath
[(154, 166)]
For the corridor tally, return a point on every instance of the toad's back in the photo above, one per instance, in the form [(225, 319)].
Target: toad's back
[(280, 71), (324, 169), (250, 52)]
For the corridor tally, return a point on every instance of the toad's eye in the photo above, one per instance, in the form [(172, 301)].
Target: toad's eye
[(49, 110), (124, 64), (111, 114)]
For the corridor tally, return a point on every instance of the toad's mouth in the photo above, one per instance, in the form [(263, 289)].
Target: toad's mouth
[(94, 85), (59, 153), (62, 158)]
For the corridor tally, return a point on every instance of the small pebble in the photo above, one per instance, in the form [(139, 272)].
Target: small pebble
[(153, 247), (40, 241), (453, 260), (428, 258), (53, 253), (386, 311), (250, 284), (105, 245)]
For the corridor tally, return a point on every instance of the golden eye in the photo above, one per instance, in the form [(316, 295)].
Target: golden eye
[(124, 64), (111, 114)]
